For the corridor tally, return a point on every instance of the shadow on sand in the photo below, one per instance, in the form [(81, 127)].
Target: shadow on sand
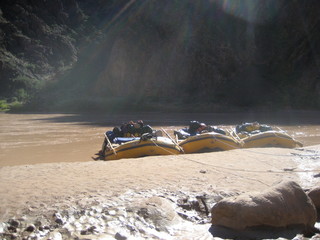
[(261, 232)]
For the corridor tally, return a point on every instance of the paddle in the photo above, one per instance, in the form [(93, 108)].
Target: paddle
[(175, 143), (110, 144)]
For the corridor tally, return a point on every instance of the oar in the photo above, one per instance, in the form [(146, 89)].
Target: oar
[(109, 143), (177, 139), (236, 136), (175, 143), (233, 134), (284, 132), (280, 130)]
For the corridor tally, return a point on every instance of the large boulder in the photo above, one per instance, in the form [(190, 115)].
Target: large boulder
[(157, 212), (314, 195), (285, 204)]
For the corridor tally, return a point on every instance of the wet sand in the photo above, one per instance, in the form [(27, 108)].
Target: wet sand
[(47, 168)]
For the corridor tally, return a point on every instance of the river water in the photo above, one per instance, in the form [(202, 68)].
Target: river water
[(46, 138), (43, 138)]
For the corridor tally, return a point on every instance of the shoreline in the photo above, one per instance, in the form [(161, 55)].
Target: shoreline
[(41, 190), (50, 184), (282, 117)]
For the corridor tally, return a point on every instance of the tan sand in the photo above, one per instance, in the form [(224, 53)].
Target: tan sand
[(40, 187)]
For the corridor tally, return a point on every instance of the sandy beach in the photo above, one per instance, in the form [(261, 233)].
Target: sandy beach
[(99, 199), (45, 189)]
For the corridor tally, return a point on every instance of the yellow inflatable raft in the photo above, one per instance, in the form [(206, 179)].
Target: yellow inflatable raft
[(270, 139), (207, 142), (141, 148)]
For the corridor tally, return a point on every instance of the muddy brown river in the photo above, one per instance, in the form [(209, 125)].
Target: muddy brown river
[(95, 200), (44, 138)]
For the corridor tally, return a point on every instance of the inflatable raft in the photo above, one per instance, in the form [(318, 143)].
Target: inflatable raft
[(254, 134), (208, 142), (270, 139), (142, 147)]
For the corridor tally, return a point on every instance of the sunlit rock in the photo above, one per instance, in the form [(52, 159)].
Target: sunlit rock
[(55, 235), (158, 213), (280, 206)]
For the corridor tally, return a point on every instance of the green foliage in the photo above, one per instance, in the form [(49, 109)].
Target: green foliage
[(12, 106), (25, 88), (31, 67), (21, 95), (4, 106), (16, 106), (30, 84)]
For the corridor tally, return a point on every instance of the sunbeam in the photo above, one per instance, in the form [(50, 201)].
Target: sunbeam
[(248, 9)]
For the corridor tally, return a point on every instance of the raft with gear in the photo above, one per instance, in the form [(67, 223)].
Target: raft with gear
[(208, 142), (188, 140), (141, 147), (254, 135), (199, 137)]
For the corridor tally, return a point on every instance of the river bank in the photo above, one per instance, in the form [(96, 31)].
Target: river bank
[(100, 200), (51, 188)]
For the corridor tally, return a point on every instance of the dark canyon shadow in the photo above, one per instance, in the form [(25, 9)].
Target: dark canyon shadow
[(288, 117)]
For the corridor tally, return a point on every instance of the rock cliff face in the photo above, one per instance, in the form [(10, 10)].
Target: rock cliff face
[(257, 53), (37, 40)]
